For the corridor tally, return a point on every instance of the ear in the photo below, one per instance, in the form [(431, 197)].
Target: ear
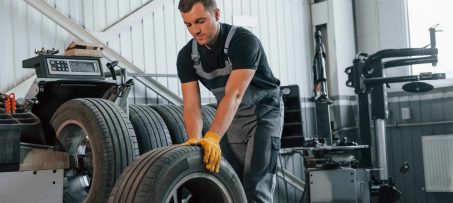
[(217, 14)]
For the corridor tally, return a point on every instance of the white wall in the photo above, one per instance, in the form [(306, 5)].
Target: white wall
[(337, 15), (343, 44), (153, 42), (382, 24)]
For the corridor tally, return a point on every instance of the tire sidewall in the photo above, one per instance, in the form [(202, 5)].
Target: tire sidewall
[(150, 128), (81, 117), (167, 178), (174, 119)]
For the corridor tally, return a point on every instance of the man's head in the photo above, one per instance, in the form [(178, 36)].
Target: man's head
[(202, 19)]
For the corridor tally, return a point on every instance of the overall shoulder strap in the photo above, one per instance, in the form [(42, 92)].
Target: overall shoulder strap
[(195, 54), (228, 39)]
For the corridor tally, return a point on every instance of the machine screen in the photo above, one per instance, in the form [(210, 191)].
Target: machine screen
[(77, 66)]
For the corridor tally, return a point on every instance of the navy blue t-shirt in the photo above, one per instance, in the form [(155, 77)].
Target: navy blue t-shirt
[(245, 52)]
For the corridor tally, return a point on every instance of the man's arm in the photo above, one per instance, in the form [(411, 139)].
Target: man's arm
[(192, 109), (235, 88)]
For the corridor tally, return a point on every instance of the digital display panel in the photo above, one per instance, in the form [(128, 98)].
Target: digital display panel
[(78, 66)]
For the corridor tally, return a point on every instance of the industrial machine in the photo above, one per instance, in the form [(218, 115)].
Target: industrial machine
[(68, 119), (341, 170)]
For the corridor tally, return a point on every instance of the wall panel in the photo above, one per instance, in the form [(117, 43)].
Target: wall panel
[(149, 50), (404, 142), (8, 70)]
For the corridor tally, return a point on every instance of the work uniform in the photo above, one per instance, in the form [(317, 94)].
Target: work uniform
[(252, 141)]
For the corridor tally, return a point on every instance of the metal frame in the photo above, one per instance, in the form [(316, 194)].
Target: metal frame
[(290, 178), (366, 76)]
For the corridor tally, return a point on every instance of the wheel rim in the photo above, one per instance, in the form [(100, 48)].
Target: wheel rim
[(79, 177), (199, 187)]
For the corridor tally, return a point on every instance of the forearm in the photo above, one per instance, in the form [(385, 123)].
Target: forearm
[(192, 109), (193, 121), (226, 110), (234, 91)]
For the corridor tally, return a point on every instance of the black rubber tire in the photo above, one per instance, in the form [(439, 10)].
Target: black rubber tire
[(208, 116), (213, 105), (174, 120), (160, 173), (104, 133), (149, 127)]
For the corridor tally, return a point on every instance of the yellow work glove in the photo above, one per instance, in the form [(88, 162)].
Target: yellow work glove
[(192, 141), (212, 153)]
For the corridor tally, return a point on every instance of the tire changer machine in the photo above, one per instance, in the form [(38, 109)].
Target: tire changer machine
[(333, 174)]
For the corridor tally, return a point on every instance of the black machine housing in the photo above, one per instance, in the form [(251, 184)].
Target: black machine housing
[(70, 67), (60, 79)]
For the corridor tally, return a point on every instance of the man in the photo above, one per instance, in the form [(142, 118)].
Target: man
[(231, 63)]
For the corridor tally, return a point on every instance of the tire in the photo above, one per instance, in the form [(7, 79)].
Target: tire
[(101, 143), (213, 105), (149, 127), (176, 171), (174, 120), (208, 116)]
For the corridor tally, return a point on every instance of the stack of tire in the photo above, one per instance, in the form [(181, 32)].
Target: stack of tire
[(103, 144)]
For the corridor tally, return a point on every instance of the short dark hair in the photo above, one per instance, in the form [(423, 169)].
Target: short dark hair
[(186, 5)]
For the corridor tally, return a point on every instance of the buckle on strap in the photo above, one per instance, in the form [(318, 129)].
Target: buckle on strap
[(196, 58)]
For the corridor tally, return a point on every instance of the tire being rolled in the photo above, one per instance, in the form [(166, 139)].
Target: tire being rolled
[(101, 143), (175, 173), (149, 127)]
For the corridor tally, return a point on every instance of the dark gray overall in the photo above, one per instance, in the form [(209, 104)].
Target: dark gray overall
[(252, 141)]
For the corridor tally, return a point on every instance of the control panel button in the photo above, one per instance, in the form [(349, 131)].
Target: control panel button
[(73, 67)]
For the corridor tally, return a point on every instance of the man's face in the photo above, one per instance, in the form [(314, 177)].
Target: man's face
[(202, 24)]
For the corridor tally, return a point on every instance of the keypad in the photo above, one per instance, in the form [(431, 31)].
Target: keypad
[(57, 65)]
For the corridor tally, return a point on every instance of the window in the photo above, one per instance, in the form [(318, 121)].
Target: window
[(423, 14)]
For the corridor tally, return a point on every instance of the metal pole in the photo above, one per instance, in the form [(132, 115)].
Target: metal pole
[(381, 148), (321, 97)]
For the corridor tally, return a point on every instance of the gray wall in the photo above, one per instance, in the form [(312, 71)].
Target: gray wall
[(404, 143), (382, 24)]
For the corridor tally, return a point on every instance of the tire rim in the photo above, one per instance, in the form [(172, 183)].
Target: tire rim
[(78, 178), (199, 187)]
